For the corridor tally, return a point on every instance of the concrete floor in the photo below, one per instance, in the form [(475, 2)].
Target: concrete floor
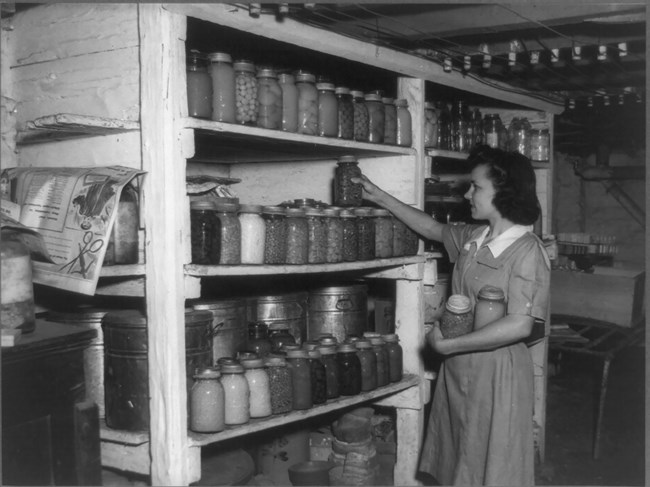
[(571, 412)]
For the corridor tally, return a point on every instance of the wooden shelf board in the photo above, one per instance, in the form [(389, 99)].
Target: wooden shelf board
[(123, 270), (443, 199), (447, 154), (227, 143), (69, 126), (256, 425), (256, 270)]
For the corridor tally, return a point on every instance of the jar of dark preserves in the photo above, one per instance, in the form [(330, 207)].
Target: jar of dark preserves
[(230, 234), (395, 357), (368, 364), (349, 235), (258, 338), (399, 237), (349, 370), (430, 125), (328, 358), (346, 192), (298, 362), (365, 234), (199, 86), (390, 121), (275, 242), (346, 113), (205, 232), (381, 354), (318, 378), (280, 385)]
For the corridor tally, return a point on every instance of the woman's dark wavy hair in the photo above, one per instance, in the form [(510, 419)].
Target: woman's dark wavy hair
[(513, 178)]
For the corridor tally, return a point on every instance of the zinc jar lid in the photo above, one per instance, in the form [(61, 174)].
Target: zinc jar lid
[(491, 292), (362, 212), (227, 207), (391, 337), (363, 343), (266, 72), (314, 353), (325, 86), (357, 93), (252, 363), (207, 373), (380, 212), (377, 340), (250, 208), (342, 90), (244, 65), (347, 159), (220, 57), (372, 97), (305, 77), (347, 214), (311, 211), (297, 353), (328, 341), (275, 362), (458, 303), (232, 369), (401, 102), (387, 100), (330, 212), (326, 349), (202, 205), (346, 347), (295, 212), (273, 210)]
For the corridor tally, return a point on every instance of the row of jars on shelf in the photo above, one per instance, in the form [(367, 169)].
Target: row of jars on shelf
[(461, 129), (243, 93), (292, 377), (230, 233)]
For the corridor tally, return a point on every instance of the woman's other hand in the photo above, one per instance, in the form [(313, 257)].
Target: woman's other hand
[(439, 343)]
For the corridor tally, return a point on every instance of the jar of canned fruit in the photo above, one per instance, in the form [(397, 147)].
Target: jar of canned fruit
[(269, 99), (246, 92)]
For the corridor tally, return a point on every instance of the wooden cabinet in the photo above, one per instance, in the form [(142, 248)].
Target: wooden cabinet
[(123, 65)]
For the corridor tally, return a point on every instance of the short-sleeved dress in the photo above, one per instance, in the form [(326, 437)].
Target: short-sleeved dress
[(480, 430)]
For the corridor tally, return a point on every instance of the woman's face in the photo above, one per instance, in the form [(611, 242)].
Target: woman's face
[(480, 195)]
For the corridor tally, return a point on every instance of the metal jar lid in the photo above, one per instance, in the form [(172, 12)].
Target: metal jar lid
[(314, 353), (342, 90), (244, 65), (458, 303), (297, 353), (330, 212), (311, 211), (362, 212), (202, 205), (372, 97), (275, 362), (346, 347), (220, 57), (295, 212), (246, 208), (325, 86), (377, 340), (391, 338), (380, 212), (207, 373), (346, 213), (492, 293), (252, 363), (347, 158), (357, 93), (363, 343), (273, 210), (266, 73), (232, 369), (302, 76), (326, 349)]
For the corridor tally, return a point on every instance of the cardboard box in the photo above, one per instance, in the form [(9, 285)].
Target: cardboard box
[(608, 294)]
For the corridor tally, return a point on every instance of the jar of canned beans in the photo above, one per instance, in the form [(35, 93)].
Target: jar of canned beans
[(297, 251), (223, 87), (280, 385), (376, 118), (383, 233), (365, 234), (317, 235), (269, 99), (346, 192), (307, 103), (230, 235), (390, 121), (289, 102), (381, 354), (318, 377), (199, 86), (349, 235), (246, 92), (346, 113), (327, 110), (360, 116), (275, 238), (404, 129), (334, 226), (205, 231)]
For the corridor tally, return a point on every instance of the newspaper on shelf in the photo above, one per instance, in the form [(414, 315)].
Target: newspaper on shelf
[(73, 209)]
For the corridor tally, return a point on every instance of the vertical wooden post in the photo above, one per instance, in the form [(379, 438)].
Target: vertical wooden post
[(161, 57)]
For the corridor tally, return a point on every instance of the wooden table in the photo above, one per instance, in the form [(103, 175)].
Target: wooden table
[(50, 436)]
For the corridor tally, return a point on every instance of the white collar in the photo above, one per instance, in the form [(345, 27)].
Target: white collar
[(501, 242)]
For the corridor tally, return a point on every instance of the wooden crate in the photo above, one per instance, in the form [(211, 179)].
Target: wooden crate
[(608, 294)]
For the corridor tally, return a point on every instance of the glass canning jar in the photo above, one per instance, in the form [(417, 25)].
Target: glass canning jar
[(412, 242), (317, 235), (365, 234), (258, 339), (17, 297), (298, 362), (347, 193), (457, 318), (279, 336), (404, 124), (205, 231), (199, 86), (540, 142), (275, 243), (328, 359), (349, 370), (390, 121), (289, 102), (318, 377), (381, 354), (307, 103), (280, 385), (253, 232), (350, 249), (491, 130), (246, 92), (395, 357), (490, 306), (207, 402), (399, 237), (346, 113), (236, 394), (259, 387), (297, 236), (368, 364), (328, 117), (376, 118), (430, 125), (360, 116), (223, 87), (122, 245), (383, 233), (269, 99), (230, 235), (334, 246)]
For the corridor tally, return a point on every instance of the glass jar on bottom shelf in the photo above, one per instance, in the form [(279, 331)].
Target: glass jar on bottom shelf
[(318, 378), (280, 385), (349, 370), (205, 231), (259, 387), (390, 121), (236, 394), (298, 363), (395, 357), (207, 402), (230, 235), (381, 354), (275, 243), (328, 358), (368, 362)]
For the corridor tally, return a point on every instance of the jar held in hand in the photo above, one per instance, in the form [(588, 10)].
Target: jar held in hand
[(457, 319)]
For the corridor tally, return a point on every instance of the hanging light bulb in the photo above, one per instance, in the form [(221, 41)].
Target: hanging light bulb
[(487, 58)]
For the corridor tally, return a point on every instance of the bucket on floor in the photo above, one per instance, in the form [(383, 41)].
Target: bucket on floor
[(126, 370)]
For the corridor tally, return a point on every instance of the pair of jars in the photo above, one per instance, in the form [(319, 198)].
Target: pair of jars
[(459, 318), (215, 233)]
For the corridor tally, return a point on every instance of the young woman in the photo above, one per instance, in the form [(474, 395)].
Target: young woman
[(480, 430)]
